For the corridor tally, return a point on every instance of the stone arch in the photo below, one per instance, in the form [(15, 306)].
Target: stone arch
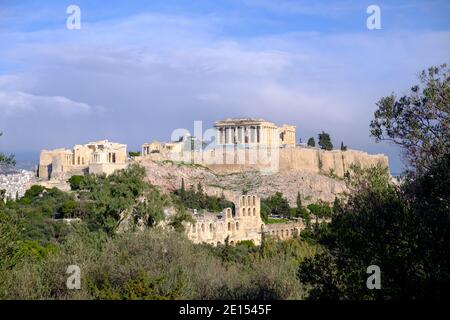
[(243, 212), (237, 225), (254, 212), (249, 200), (210, 227), (254, 200), (229, 226), (219, 243), (249, 211), (203, 227), (232, 243)]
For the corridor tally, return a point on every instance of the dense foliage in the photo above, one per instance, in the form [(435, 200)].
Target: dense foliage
[(37, 246), (418, 122), (405, 229), (198, 199), (275, 205)]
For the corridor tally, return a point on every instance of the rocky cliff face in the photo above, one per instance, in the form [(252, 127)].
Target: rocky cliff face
[(312, 186)]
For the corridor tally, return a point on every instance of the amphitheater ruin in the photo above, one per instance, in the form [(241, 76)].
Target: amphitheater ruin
[(243, 222)]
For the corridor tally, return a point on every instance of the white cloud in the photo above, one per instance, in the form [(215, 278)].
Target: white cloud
[(20, 103)]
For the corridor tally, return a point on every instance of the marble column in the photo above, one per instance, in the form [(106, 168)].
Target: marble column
[(258, 134)]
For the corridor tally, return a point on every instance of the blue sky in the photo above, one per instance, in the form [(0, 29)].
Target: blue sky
[(137, 70)]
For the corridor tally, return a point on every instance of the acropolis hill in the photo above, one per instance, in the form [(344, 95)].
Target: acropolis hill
[(244, 160), (245, 154)]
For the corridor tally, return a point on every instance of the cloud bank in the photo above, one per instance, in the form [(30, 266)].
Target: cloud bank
[(152, 73)]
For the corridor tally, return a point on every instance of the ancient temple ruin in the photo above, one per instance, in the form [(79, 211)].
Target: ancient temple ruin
[(94, 157)]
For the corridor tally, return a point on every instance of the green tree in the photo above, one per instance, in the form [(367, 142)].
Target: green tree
[(320, 209), (298, 202), (311, 142), (343, 147), (7, 159), (76, 182), (110, 199), (276, 204), (337, 206), (9, 243), (402, 230), (325, 141), (150, 211), (182, 192), (418, 122), (133, 154)]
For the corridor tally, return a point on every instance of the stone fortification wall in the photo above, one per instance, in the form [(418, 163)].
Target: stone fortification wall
[(285, 230), (244, 223), (335, 161)]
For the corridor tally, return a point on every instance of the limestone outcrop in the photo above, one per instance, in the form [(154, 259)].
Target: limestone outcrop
[(311, 185)]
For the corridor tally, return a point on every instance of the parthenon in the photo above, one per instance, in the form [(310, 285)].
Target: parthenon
[(253, 131)]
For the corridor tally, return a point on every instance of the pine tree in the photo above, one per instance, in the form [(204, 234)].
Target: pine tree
[(298, 210), (183, 190), (343, 148), (325, 141), (336, 205), (311, 142)]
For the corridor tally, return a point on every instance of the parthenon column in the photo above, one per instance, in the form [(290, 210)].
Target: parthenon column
[(263, 140), (258, 134)]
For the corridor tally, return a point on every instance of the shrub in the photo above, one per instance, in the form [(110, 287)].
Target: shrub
[(76, 182)]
